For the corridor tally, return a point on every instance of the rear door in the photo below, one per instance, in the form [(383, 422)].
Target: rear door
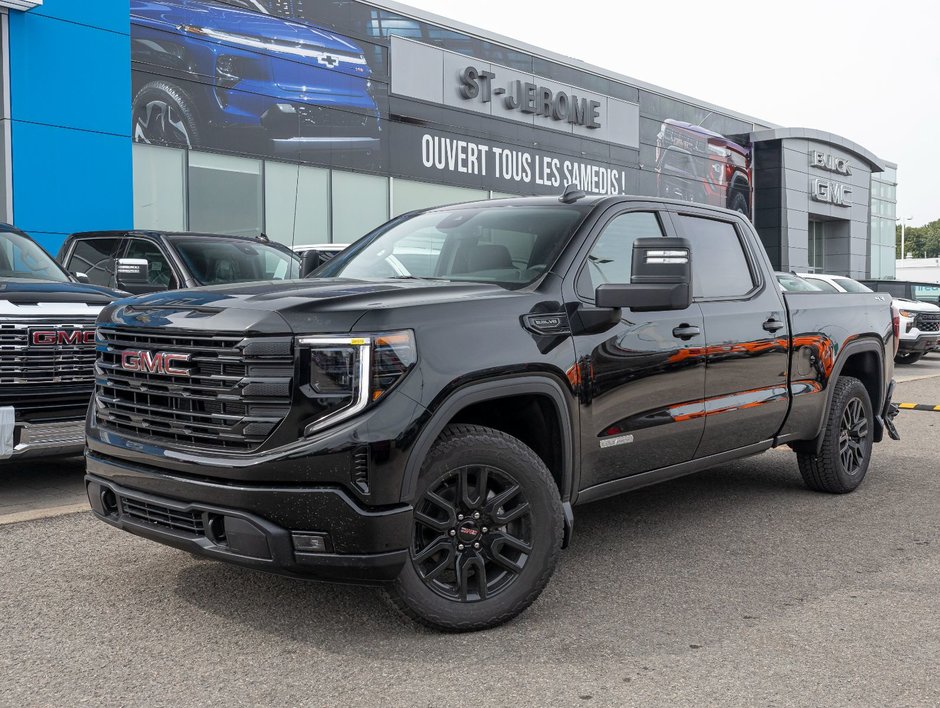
[(746, 332), (643, 380)]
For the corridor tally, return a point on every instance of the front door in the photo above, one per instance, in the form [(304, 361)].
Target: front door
[(643, 380)]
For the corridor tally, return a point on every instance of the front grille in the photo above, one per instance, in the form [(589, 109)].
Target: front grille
[(325, 121), (928, 322), (190, 522), (238, 388), (60, 357)]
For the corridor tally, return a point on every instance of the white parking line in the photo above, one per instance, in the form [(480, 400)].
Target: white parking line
[(47, 513)]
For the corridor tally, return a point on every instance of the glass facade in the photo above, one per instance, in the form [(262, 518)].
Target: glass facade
[(190, 190), (884, 201)]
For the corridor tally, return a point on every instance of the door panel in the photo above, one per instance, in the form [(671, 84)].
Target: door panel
[(746, 338), (642, 387)]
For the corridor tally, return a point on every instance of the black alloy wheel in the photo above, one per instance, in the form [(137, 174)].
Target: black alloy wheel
[(852, 436), (838, 463), (164, 115), (472, 534), (486, 534)]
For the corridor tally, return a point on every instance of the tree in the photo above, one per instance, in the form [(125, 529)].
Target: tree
[(919, 240)]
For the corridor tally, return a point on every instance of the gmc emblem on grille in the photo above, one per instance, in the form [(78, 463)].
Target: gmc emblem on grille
[(146, 362), (60, 337)]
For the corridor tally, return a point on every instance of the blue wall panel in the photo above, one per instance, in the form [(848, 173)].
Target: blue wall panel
[(70, 99)]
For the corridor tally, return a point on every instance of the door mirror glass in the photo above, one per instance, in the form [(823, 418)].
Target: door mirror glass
[(133, 276), (661, 278)]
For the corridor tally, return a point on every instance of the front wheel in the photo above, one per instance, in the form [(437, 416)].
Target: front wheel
[(164, 114), (486, 534), (908, 357), (842, 461)]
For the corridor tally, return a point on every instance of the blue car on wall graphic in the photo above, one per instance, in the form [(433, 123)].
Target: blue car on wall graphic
[(228, 74)]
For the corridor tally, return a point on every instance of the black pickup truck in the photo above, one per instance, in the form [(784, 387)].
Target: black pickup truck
[(427, 410)]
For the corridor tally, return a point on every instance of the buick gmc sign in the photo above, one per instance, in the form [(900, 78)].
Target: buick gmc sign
[(825, 190)]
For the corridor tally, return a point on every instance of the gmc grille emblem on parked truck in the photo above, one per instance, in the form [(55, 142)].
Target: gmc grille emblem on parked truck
[(59, 337), (145, 362)]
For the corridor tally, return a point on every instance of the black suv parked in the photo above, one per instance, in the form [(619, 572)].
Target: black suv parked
[(427, 412), (150, 261)]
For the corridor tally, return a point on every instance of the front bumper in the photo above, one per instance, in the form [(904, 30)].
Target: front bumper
[(23, 439), (264, 527), (922, 344)]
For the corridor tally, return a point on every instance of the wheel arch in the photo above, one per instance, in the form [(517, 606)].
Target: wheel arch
[(862, 359), (477, 397)]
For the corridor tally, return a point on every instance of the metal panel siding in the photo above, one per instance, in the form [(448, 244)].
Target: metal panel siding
[(70, 90)]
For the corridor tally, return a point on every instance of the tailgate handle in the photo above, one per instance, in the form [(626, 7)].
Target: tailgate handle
[(773, 324), (685, 331)]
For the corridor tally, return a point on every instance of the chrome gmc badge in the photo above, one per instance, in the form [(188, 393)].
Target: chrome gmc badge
[(61, 337), (146, 362)]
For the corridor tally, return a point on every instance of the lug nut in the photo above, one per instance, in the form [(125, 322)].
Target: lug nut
[(459, 546), (476, 545), (476, 515), (453, 532), (459, 517), (484, 530)]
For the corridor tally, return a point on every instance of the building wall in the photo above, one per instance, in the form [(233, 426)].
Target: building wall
[(70, 135), (884, 205)]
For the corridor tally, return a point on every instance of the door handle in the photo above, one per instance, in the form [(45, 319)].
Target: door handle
[(685, 331), (773, 324)]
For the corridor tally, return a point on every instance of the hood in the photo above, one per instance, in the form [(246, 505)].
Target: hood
[(215, 15), (30, 292), (915, 305), (300, 306)]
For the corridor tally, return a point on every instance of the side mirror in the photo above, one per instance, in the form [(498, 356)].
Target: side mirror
[(81, 277), (309, 262), (661, 278), (133, 276)]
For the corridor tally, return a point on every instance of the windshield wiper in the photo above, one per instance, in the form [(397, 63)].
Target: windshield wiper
[(414, 277)]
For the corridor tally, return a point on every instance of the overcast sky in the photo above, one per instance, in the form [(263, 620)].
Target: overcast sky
[(869, 71)]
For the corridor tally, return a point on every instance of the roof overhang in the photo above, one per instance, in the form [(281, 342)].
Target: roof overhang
[(20, 4), (874, 162)]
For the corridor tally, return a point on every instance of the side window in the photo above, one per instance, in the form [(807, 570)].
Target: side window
[(719, 265), (95, 258), (159, 270), (611, 257)]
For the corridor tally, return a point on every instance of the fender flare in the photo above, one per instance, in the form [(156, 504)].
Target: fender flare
[(494, 389), (855, 347)]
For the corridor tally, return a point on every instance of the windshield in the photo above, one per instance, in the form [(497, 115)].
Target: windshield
[(510, 246), (852, 286), (822, 284), (21, 257), (214, 261)]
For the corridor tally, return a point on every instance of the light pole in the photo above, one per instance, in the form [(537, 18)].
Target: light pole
[(903, 222)]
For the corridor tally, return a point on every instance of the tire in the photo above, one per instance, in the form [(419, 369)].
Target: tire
[(739, 204), (908, 357), (520, 532), (164, 114), (842, 462)]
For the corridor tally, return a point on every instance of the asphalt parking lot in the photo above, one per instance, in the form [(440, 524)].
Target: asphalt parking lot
[(733, 587)]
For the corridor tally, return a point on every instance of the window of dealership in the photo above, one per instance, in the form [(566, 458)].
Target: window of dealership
[(190, 190)]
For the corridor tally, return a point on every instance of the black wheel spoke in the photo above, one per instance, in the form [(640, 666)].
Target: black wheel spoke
[(464, 565), (502, 541), (470, 499), (436, 546), (442, 503), (501, 499), (501, 518), (432, 523)]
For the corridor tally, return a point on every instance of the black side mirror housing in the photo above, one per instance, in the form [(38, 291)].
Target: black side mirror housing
[(309, 262), (81, 277), (661, 278)]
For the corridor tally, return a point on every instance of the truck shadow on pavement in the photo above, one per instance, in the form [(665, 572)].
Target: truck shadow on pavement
[(661, 569)]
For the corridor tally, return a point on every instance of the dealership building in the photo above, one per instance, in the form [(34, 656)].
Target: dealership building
[(314, 121)]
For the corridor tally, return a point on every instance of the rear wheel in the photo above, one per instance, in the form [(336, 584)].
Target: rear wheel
[(842, 462), (486, 535), (739, 204), (908, 357), (164, 114)]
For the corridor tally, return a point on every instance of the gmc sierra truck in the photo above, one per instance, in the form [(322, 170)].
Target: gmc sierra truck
[(426, 411), (47, 350)]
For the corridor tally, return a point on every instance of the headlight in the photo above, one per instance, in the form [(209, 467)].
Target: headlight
[(908, 313), (347, 374)]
